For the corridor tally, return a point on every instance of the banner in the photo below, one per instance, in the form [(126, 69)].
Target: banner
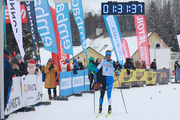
[(77, 10), (115, 35), (125, 49), (162, 76), (61, 57), (29, 6), (66, 83), (78, 81), (178, 38), (25, 91), (64, 27), (15, 99), (15, 18), (23, 14), (86, 81), (142, 39), (45, 25)]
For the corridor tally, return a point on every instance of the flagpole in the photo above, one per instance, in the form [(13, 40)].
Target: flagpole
[(1, 59)]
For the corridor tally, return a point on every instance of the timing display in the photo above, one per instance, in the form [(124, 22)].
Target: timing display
[(122, 8)]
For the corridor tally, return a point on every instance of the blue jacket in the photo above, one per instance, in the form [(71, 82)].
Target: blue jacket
[(75, 64), (8, 73)]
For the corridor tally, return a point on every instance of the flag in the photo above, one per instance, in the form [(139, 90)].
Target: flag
[(115, 35), (45, 25), (64, 27), (178, 38), (125, 49), (77, 10), (142, 38), (31, 18), (15, 18)]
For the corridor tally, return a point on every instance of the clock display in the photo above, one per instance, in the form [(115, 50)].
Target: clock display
[(122, 8)]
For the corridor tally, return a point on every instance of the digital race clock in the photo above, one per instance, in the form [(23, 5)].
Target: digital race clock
[(122, 8)]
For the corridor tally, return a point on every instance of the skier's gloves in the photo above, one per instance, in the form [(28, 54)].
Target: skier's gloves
[(93, 72)]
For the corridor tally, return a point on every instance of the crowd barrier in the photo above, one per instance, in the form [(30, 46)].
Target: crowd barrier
[(139, 77), (178, 74), (25, 91), (73, 83)]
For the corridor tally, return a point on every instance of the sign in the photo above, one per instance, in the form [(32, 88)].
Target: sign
[(122, 8)]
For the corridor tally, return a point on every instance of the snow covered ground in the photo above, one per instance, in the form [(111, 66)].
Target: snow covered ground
[(159, 102)]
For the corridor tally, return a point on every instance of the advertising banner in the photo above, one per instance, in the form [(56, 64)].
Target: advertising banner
[(77, 10), (15, 18), (162, 76), (140, 77), (15, 100), (45, 25), (78, 81), (29, 88), (125, 49), (86, 81), (178, 39), (142, 39), (150, 77), (64, 27), (31, 18), (23, 15), (66, 83), (115, 35)]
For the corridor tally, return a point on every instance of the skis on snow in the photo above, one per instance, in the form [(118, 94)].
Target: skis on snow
[(105, 116)]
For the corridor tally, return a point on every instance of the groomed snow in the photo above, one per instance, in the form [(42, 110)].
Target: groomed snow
[(159, 102)]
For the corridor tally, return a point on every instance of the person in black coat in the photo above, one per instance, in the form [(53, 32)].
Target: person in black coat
[(153, 65), (129, 65), (22, 66), (98, 75), (9, 72)]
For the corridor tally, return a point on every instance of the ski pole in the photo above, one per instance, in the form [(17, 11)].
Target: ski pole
[(122, 97), (94, 93)]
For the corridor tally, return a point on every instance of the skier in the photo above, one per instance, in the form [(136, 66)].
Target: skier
[(108, 68)]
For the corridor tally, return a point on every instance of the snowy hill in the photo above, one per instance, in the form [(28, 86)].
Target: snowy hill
[(144, 103)]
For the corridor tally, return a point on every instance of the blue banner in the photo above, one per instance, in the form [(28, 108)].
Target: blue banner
[(45, 25), (66, 83), (30, 13), (77, 10), (86, 80), (64, 27), (115, 35), (78, 81), (178, 74)]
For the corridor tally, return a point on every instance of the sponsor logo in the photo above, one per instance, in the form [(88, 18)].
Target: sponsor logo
[(13, 103), (139, 75), (30, 87), (25, 88), (126, 77), (150, 76), (12, 88)]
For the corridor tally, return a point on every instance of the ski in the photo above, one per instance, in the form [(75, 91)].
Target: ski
[(108, 114), (98, 115)]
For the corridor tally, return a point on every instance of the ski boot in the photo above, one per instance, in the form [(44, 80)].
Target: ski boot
[(100, 109), (50, 97), (109, 109), (54, 97)]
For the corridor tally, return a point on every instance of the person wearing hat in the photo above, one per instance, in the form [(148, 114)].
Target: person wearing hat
[(108, 68), (64, 66), (32, 69), (50, 79), (22, 66), (9, 72)]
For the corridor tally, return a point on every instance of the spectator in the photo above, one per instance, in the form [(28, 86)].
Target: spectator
[(50, 79), (75, 66), (91, 68), (143, 64), (32, 69), (129, 65), (175, 69), (79, 61), (138, 64), (98, 76), (153, 65), (64, 66), (22, 67), (9, 72)]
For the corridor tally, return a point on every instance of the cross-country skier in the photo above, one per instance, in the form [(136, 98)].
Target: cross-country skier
[(108, 68)]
